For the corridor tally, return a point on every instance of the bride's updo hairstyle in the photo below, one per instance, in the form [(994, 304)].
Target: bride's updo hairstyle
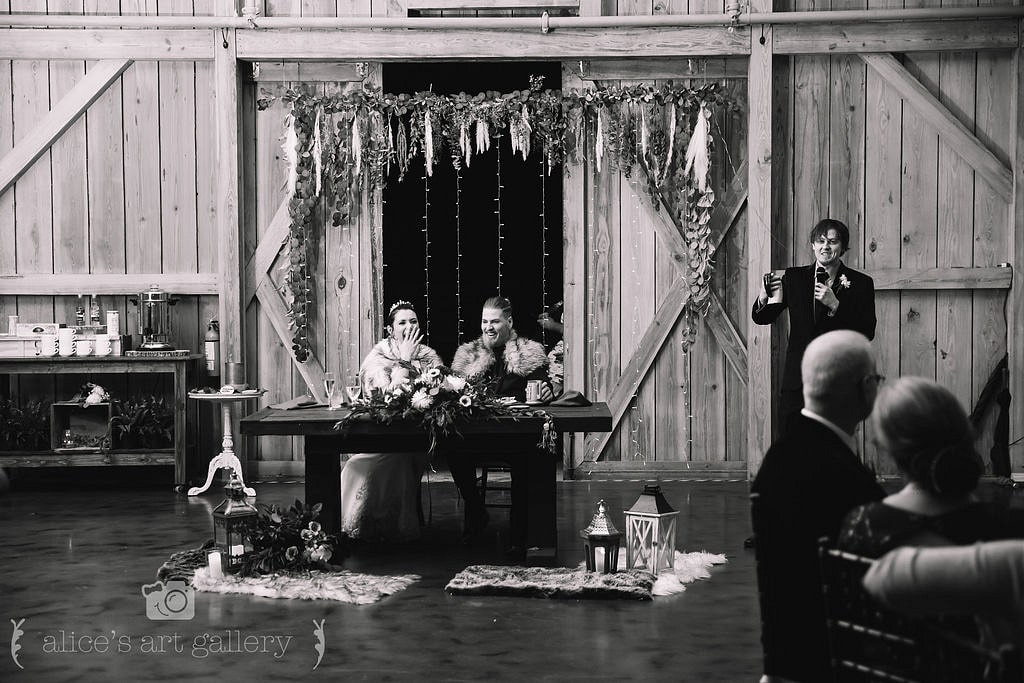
[(925, 430)]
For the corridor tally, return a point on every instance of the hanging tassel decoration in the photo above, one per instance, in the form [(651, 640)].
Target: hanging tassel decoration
[(357, 145), (697, 150), (391, 142), (403, 149), (465, 143), (643, 134), (428, 143), (525, 131), (671, 142), (599, 141), (483, 136), (318, 152), (291, 156)]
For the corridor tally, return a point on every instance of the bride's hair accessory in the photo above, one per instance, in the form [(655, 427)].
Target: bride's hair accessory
[(398, 304)]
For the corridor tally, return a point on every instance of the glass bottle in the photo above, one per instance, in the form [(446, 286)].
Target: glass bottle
[(80, 312), (94, 311)]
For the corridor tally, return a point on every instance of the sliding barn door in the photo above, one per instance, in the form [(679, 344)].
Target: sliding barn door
[(344, 261), (625, 290)]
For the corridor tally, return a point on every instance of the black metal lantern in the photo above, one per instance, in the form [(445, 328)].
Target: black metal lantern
[(601, 534), (232, 522)]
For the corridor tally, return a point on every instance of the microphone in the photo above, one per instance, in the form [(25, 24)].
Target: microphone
[(820, 309)]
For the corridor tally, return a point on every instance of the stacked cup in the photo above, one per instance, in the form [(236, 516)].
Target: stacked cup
[(47, 345), (66, 341), (103, 345)]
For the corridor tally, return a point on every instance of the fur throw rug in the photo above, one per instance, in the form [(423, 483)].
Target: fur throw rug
[(383, 358), (342, 586), (551, 582), (522, 356)]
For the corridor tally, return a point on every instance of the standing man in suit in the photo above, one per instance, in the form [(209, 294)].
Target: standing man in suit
[(809, 479), (821, 297)]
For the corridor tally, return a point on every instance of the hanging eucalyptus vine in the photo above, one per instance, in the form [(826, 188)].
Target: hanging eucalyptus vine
[(340, 145)]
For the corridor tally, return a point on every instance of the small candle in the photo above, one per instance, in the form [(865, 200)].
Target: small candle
[(216, 571), (599, 559)]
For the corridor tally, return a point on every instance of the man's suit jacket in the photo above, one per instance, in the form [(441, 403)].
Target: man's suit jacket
[(856, 312), (808, 481)]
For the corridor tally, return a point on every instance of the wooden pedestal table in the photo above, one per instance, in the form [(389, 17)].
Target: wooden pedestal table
[(226, 457)]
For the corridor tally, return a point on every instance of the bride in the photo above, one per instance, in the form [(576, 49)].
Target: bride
[(379, 498)]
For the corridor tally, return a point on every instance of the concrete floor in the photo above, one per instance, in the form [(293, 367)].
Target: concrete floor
[(75, 561)]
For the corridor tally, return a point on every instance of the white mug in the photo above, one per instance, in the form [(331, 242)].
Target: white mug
[(66, 335), (47, 345), (66, 348), (103, 347), (83, 347)]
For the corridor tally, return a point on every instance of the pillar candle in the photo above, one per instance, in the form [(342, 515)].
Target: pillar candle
[(216, 570)]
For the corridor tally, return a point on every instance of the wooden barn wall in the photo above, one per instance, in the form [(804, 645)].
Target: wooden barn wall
[(128, 188), (848, 147)]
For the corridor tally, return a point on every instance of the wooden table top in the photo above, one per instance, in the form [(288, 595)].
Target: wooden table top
[(320, 421)]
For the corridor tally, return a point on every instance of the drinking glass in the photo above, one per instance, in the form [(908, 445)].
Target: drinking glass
[(330, 386), (354, 391)]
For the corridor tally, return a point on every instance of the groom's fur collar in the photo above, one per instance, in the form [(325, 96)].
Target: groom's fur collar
[(522, 356)]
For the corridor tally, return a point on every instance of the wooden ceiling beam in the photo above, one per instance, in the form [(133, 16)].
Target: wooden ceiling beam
[(895, 36), (398, 45), (142, 44)]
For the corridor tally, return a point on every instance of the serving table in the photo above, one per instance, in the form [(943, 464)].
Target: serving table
[(226, 458), (512, 440)]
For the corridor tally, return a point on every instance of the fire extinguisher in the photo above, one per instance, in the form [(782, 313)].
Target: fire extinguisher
[(212, 348)]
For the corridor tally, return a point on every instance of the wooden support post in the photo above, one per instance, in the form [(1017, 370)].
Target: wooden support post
[(227, 123), (759, 246), (1015, 317)]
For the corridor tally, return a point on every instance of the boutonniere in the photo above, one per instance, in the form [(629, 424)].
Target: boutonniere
[(844, 282)]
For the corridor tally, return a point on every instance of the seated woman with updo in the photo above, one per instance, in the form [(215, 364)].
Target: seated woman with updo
[(379, 499), (924, 429)]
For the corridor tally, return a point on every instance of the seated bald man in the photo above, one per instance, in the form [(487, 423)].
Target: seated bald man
[(808, 481)]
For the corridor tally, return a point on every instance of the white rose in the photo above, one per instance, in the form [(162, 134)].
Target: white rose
[(421, 400), (455, 383)]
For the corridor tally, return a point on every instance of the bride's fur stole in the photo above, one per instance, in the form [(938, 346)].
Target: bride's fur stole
[(382, 359), (522, 357)]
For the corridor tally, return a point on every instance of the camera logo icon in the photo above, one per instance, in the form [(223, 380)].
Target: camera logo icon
[(170, 600)]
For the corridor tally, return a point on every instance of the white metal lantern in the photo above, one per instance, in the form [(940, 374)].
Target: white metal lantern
[(651, 532), (232, 521)]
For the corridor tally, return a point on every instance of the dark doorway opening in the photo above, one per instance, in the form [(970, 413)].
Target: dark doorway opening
[(458, 214)]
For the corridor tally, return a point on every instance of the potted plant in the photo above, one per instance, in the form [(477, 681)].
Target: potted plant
[(146, 422), (26, 429)]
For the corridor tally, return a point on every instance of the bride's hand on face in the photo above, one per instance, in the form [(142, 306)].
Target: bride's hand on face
[(408, 339)]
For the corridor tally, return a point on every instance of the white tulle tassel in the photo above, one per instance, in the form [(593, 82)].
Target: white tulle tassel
[(465, 143), (291, 157), (599, 140), (671, 142), (357, 145), (525, 131), (697, 150), (318, 152), (643, 133), (483, 136), (428, 143)]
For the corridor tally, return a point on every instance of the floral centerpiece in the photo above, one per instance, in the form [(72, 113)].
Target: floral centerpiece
[(439, 401), (290, 540)]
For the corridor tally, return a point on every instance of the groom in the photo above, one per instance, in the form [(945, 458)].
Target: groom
[(506, 361)]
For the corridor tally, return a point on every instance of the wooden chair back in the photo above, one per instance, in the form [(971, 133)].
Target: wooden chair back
[(870, 642)]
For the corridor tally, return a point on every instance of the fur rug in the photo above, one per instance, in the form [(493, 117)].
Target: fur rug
[(565, 582), (341, 586), (550, 582)]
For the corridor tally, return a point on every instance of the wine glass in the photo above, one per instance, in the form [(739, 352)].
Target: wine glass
[(330, 386), (354, 391)]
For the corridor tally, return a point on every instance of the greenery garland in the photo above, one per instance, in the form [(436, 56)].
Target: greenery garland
[(343, 144)]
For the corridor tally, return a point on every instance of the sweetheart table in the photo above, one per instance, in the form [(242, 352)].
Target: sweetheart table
[(512, 441)]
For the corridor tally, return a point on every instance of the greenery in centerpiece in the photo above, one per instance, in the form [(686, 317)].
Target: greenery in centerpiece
[(290, 540), (439, 401)]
